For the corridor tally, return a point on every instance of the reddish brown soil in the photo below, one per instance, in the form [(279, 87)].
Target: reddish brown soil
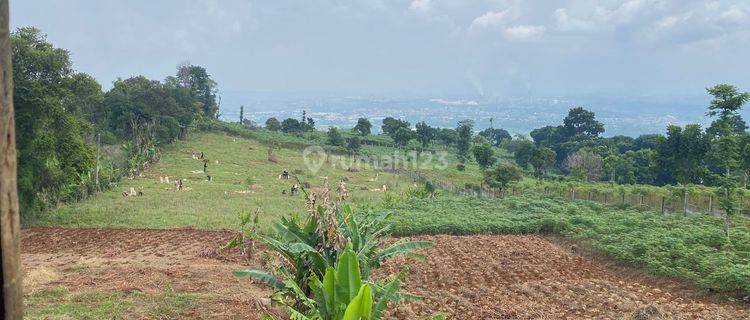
[(145, 260), (471, 277), (530, 277)]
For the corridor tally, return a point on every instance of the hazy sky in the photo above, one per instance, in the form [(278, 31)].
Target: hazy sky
[(420, 47)]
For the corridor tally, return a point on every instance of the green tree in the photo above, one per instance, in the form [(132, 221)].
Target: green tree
[(242, 114), (726, 105), (619, 169), (523, 153), (542, 160), (353, 144), (502, 175), (483, 153), (291, 125), (200, 84), (52, 154), (446, 135), (273, 124), (391, 125), (363, 127), (726, 145), (334, 137), (402, 136), (425, 134), (495, 136), (463, 143), (582, 123), (585, 165)]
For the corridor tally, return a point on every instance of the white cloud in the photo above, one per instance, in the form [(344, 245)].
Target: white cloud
[(734, 14), (489, 19), (524, 33), (568, 23), (420, 5)]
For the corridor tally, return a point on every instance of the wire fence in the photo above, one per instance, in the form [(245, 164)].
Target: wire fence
[(685, 204)]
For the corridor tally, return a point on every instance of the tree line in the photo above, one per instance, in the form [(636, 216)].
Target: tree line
[(577, 150), (65, 122)]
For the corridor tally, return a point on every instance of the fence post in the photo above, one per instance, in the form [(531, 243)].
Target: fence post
[(640, 202), (711, 205), (663, 200), (685, 204)]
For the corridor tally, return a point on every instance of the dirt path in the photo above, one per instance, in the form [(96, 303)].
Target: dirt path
[(470, 277)]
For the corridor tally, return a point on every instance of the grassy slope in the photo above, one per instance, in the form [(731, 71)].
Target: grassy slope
[(243, 165), (691, 247)]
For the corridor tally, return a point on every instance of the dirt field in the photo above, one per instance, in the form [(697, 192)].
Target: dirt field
[(472, 277)]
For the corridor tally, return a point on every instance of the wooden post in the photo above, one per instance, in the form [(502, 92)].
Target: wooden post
[(12, 294), (589, 196), (98, 146), (711, 205), (685, 203), (663, 200)]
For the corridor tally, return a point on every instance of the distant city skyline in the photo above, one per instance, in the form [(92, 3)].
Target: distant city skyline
[(421, 48)]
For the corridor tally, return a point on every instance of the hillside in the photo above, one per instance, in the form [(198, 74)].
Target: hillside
[(242, 180)]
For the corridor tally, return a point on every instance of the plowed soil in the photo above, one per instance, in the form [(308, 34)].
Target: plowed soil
[(464, 277)]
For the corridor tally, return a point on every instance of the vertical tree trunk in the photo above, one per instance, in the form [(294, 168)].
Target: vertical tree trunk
[(9, 220), (711, 205)]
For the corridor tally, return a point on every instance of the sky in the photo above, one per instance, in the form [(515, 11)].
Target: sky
[(410, 48)]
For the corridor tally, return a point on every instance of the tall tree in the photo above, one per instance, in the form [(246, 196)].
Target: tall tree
[(726, 104), (495, 136), (10, 233), (273, 124), (50, 135), (483, 153), (334, 137), (523, 152), (425, 134), (542, 160), (363, 127), (402, 136), (582, 123), (197, 79), (463, 143), (242, 114), (391, 125)]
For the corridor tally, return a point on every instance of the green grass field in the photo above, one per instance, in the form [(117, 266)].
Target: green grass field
[(243, 180)]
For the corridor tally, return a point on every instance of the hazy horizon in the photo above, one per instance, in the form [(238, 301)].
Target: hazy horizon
[(639, 64), (410, 48)]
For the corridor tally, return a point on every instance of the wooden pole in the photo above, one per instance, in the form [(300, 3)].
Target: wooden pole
[(685, 204), (662, 204), (12, 293)]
